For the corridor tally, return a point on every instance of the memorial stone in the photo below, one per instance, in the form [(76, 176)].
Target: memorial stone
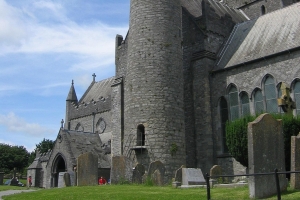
[(295, 161), (87, 170), (138, 173), (157, 178), (265, 153), (61, 181), (192, 176), (121, 170), (157, 165), (216, 170)]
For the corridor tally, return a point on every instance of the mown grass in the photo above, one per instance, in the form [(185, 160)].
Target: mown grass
[(140, 192)]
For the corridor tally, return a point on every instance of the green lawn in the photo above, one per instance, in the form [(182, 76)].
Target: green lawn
[(138, 192)]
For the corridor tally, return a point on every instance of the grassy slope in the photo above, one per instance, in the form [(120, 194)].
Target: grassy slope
[(134, 192)]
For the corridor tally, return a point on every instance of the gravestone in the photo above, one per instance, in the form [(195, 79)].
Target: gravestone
[(60, 182), (157, 178), (157, 165), (121, 169), (178, 175), (295, 161), (72, 178), (14, 181), (1, 178), (87, 170), (216, 170), (192, 176), (265, 154), (138, 172)]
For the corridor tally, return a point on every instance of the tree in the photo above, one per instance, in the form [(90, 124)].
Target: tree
[(45, 145), (237, 140), (13, 157)]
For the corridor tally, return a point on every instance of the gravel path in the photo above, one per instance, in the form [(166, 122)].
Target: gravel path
[(9, 192)]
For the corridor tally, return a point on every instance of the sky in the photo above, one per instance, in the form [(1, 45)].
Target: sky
[(44, 45)]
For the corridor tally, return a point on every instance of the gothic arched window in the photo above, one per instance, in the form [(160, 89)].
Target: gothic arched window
[(245, 104), (233, 102), (270, 94), (224, 119), (258, 102), (297, 96)]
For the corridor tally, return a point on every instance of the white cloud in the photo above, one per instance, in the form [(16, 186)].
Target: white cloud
[(15, 124)]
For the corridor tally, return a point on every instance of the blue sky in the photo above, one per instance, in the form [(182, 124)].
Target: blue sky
[(44, 44)]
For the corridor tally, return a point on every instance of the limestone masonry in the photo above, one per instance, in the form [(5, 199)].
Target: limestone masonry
[(184, 69)]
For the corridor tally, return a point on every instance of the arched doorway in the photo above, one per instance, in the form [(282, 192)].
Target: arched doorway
[(59, 165)]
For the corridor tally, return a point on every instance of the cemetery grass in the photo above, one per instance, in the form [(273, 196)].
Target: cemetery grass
[(139, 192)]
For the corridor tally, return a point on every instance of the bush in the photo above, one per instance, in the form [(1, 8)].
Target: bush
[(237, 141)]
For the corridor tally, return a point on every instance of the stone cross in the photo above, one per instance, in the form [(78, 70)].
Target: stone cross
[(94, 76), (285, 101), (62, 124)]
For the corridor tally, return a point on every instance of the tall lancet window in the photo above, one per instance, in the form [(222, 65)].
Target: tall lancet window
[(140, 135), (245, 104), (297, 96), (270, 94), (233, 101), (258, 102)]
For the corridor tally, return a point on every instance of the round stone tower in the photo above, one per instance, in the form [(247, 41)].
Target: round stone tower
[(153, 90)]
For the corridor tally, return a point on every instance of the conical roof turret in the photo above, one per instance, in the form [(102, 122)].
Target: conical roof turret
[(72, 94)]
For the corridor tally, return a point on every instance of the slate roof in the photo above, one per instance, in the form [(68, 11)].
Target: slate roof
[(84, 142), (271, 33), (98, 90), (195, 8)]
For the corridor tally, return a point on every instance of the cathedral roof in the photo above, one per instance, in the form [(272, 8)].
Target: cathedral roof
[(268, 35), (195, 9), (83, 142), (98, 90)]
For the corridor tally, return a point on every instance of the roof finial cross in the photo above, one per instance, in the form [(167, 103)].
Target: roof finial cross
[(94, 76)]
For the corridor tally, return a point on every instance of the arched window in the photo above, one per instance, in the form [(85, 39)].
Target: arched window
[(245, 104), (258, 102), (79, 127), (263, 10), (270, 94), (233, 101), (297, 96), (224, 119), (140, 141), (100, 126)]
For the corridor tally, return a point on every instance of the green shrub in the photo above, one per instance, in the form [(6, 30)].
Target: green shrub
[(237, 141)]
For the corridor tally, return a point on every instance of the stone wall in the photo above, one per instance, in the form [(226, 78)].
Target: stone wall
[(153, 91), (86, 121), (284, 68)]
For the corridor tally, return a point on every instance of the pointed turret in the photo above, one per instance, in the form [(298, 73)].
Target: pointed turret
[(71, 99), (72, 94)]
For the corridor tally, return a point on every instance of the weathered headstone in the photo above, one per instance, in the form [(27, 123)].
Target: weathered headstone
[(157, 178), (63, 179), (138, 172), (157, 165), (87, 170), (72, 178), (121, 170), (265, 154), (216, 170), (192, 176), (178, 175), (295, 161)]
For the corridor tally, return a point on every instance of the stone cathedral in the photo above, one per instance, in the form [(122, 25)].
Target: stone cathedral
[(184, 68)]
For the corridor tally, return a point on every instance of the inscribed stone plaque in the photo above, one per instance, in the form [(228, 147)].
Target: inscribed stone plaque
[(295, 161), (192, 176), (265, 153), (87, 170), (121, 170)]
